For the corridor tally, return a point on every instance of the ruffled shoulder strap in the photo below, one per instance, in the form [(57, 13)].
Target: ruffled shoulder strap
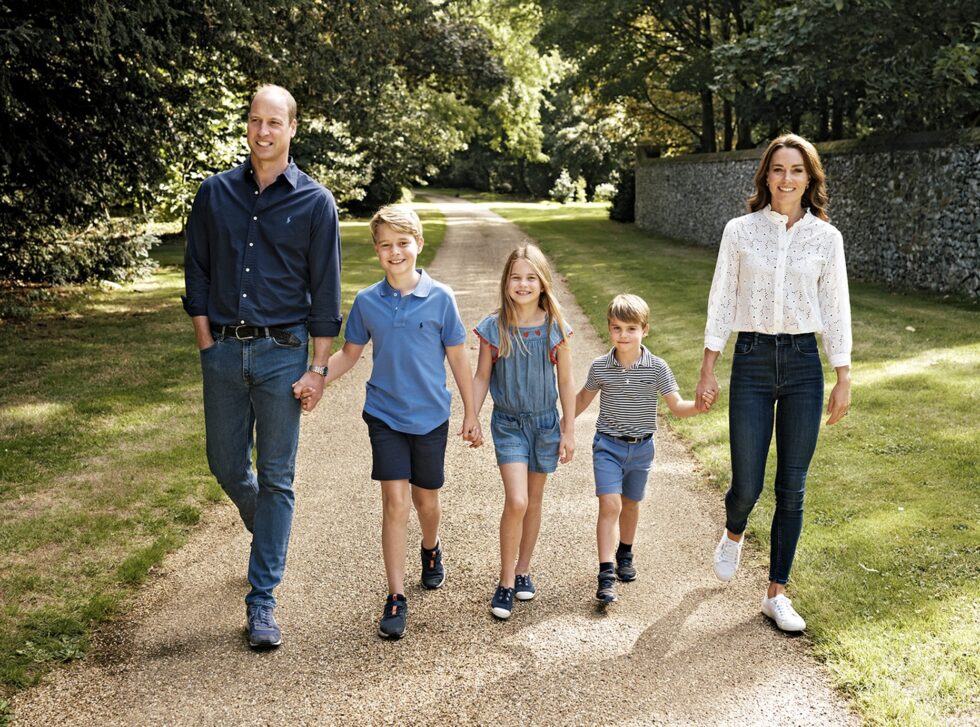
[(555, 339), (488, 332)]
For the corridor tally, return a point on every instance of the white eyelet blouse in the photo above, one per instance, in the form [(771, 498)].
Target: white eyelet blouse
[(772, 280)]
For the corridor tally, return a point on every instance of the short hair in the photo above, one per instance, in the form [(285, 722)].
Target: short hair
[(399, 217), (815, 196), (629, 308), (287, 97)]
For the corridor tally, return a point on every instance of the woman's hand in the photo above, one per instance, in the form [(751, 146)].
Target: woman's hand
[(840, 397), (707, 391)]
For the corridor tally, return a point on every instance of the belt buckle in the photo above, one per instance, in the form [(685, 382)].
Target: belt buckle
[(245, 338)]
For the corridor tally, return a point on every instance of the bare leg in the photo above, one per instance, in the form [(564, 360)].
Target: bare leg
[(429, 511), (532, 520), (515, 478), (609, 508), (629, 518), (395, 506)]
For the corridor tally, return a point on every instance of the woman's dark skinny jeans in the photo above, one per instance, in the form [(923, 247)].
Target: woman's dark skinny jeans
[(775, 379)]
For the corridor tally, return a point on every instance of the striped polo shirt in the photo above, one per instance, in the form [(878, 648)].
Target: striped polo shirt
[(628, 397)]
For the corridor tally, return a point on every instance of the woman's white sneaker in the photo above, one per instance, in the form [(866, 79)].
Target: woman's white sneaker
[(780, 609), (727, 556)]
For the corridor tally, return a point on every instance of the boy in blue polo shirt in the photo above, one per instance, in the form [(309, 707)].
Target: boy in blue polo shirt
[(628, 380), (414, 325)]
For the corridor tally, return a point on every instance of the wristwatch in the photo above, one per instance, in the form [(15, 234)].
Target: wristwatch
[(322, 370)]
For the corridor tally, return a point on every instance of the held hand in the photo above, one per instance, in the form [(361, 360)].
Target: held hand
[(471, 432), (707, 392), (839, 402), (309, 390), (566, 448)]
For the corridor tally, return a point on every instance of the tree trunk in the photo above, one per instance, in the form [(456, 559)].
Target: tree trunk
[(823, 115), (837, 119), (794, 121), (708, 143), (744, 128), (727, 113)]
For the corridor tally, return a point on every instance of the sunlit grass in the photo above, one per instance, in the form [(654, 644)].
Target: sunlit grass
[(102, 464), (888, 568)]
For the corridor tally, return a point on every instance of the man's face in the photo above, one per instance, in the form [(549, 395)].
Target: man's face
[(269, 128)]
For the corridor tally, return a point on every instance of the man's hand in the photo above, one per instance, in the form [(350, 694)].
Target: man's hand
[(309, 390), (471, 432)]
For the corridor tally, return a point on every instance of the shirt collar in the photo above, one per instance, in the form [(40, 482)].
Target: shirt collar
[(779, 219), (291, 172), (421, 290), (645, 360)]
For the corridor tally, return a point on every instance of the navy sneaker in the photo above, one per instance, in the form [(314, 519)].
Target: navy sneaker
[(433, 572), (523, 588), (394, 618), (263, 631), (503, 602), (625, 571), (607, 587)]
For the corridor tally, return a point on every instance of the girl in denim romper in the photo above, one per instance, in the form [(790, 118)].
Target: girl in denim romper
[(521, 350)]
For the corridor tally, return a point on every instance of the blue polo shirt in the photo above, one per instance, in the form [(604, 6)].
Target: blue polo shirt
[(407, 389)]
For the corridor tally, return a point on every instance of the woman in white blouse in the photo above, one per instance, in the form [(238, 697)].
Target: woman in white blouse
[(780, 278)]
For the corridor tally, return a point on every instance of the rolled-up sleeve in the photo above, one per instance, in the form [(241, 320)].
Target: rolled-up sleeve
[(197, 257), (324, 264), (835, 306), (724, 289)]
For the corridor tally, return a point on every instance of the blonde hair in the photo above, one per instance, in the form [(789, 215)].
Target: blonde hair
[(507, 313), (629, 308), (286, 96), (399, 217), (815, 196)]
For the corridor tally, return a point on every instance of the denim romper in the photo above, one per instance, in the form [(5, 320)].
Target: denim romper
[(525, 395)]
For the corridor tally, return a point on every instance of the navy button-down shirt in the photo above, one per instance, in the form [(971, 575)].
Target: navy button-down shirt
[(264, 259)]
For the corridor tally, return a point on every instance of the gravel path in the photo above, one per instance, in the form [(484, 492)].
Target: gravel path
[(679, 648)]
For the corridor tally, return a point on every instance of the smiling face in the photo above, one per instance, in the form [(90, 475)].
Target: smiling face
[(523, 284), (787, 179), (397, 251), (270, 129), (627, 337)]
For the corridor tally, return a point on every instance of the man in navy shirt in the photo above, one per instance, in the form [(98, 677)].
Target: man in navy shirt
[(262, 275)]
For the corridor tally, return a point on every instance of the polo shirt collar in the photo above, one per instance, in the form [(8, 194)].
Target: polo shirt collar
[(645, 360), (422, 290), (291, 172)]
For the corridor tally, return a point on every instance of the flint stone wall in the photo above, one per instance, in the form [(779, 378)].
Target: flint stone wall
[(906, 206)]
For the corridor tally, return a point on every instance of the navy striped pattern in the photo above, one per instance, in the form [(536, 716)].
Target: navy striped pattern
[(628, 397)]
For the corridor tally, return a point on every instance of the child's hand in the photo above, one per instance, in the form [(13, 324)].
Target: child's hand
[(708, 398), (471, 432), (566, 448)]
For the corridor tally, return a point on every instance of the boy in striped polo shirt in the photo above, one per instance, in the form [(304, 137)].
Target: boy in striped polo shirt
[(629, 378)]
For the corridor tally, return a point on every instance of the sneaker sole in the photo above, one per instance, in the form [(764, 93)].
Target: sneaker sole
[(622, 579), (605, 601), (525, 596), (500, 613), (781, 627), (263, 646), (390, 637)]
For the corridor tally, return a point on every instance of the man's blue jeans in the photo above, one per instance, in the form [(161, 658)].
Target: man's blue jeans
[(248, 398), (775, 379)]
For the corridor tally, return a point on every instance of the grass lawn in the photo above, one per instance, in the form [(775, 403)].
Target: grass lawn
[(888, 570), (102, 465)]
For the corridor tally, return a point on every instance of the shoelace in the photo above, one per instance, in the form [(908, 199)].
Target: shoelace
[(729, 550), (262, 617), (783, 606)]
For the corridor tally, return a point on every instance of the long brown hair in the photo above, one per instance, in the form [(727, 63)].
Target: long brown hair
[(814, 196), (507, 314)]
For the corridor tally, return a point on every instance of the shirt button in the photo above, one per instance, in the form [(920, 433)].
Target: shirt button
[(256, 191), (251, 244), (255, 218), (243, 323), (244, 295), (247, 269)]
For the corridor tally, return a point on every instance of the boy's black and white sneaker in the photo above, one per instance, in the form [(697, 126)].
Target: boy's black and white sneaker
[(502, 603), (433, 571), (606, 592), (524, 589), (395, 618), (625, 570)]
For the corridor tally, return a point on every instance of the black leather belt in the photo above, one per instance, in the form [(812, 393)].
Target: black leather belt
[(630, 440), (250, 333)]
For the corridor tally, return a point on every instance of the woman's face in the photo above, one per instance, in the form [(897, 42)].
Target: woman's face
[(787, 178)]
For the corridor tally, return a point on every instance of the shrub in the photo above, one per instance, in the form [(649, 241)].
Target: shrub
[(604, 192), (624, 203), (113, 251), (564, 188)]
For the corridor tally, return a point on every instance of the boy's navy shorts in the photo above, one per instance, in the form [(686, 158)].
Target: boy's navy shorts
[(418, 458)]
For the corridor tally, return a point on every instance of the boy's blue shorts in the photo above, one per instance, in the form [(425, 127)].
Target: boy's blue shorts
[(621, 468), (531, 439), (418, 458)]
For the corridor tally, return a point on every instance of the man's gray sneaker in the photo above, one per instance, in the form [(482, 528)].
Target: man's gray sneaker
[(263, 631)]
